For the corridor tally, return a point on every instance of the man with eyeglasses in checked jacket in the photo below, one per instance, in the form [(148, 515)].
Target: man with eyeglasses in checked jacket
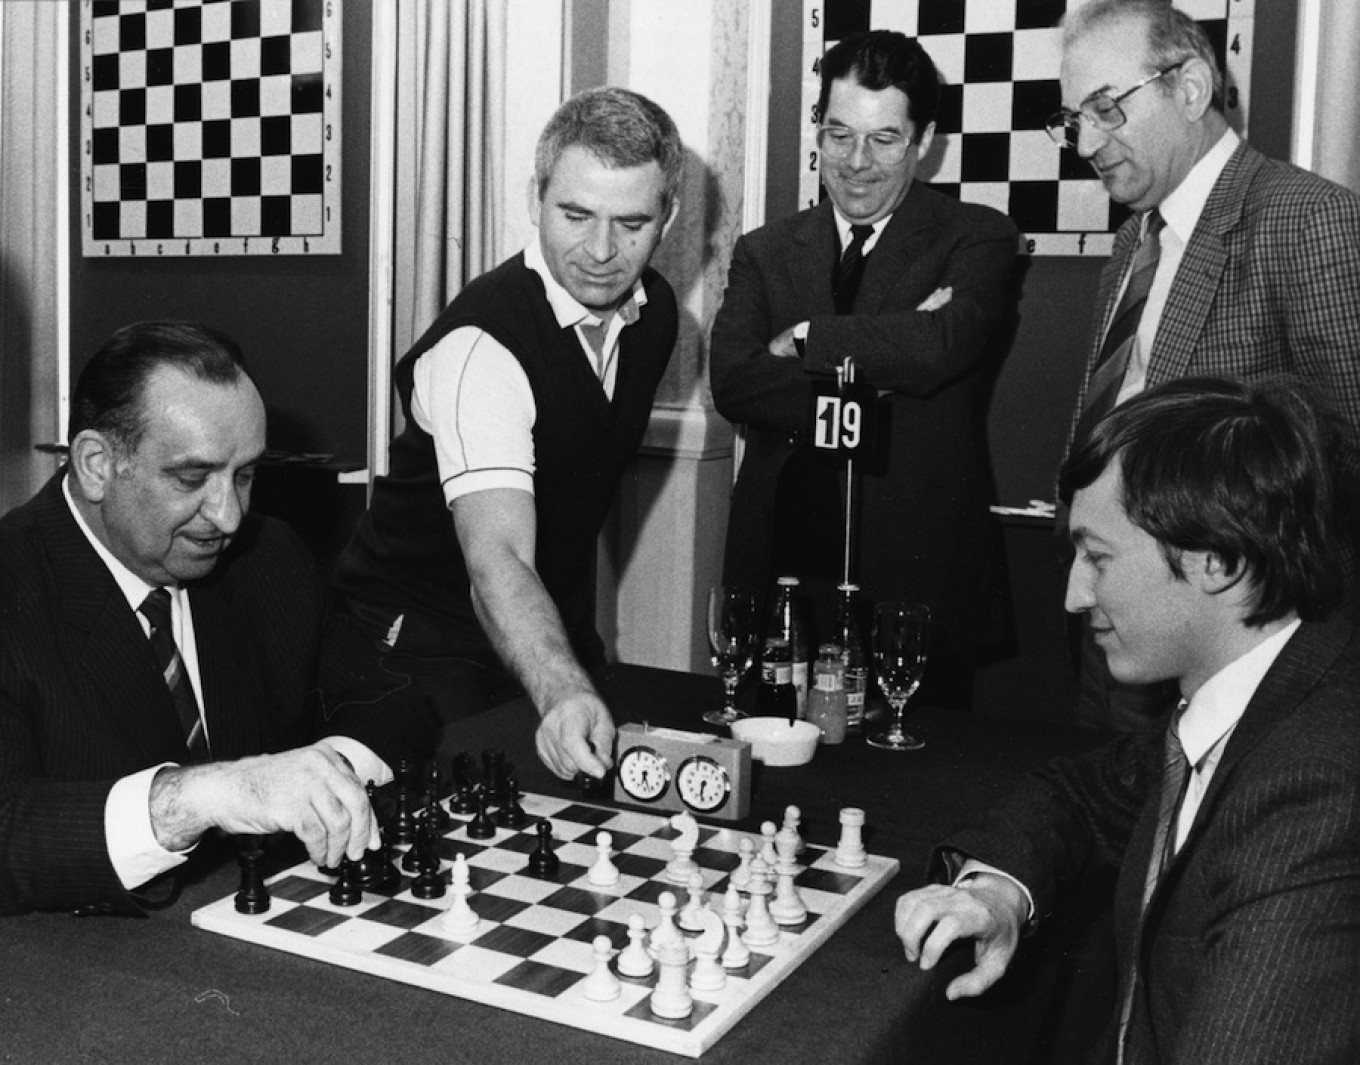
[(917, 287), (1248, 266)]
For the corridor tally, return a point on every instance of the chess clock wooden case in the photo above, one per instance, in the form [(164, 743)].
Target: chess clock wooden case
[(672, 770)]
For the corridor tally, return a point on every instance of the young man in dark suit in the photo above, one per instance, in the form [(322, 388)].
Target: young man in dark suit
[(916, 287), (1204, 518), (118, 752), (1252, 265)]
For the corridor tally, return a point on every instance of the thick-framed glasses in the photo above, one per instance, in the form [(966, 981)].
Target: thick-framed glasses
[(1101, 111), (838, 142)]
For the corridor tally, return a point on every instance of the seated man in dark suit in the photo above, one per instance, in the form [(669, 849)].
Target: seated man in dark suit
[(1203, 513), (118, 752)]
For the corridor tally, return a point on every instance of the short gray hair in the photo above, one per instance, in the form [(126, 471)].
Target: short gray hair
[(1172, 35), (620, 127)]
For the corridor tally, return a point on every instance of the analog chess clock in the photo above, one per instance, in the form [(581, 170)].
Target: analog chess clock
[(673, 770)]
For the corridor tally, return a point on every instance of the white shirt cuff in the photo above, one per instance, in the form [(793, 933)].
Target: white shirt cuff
[(133, 850), (367, 765), (972, 867)]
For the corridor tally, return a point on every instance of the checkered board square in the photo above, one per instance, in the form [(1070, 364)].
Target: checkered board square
[(210, 127), (533, 946), (999, 61)]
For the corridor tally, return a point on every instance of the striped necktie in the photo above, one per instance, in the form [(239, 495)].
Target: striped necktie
[(156, 609), (1107, 377), (1175, 779), (849, 269)]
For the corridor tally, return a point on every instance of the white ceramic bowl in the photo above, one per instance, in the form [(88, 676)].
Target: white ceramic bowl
[(777, 741)]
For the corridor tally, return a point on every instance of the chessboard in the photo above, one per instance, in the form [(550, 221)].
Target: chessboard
[(999, 61), (210, 128), (536, 948)]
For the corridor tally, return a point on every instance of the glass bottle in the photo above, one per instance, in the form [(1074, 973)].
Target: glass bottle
[(783, 661), (850, 636), (826, 699)]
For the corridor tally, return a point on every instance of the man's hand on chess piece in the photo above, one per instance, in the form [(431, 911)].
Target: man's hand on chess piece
[(311, 792), (987, 908)]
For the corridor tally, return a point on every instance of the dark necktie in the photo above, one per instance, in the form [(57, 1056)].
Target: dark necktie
[(849, 269), (156, 609), (1108, 375), (1175, 779)]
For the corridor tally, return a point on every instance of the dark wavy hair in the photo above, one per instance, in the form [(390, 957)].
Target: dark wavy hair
[(884, 59), (1256, 473), (108, 393)]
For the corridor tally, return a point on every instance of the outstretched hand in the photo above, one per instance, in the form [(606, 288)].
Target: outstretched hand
[(576, 735), (991, 910)]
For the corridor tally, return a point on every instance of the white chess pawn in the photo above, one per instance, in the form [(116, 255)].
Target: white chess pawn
[(850, 852), (460, 919), (708, 973), (601, 985), (761, 929), (665, 931), (736, 955), (691, 917), (604, 873), (671, 998), (793, 819), (768, 854), (634, 961), (741, 875), (786, 849)]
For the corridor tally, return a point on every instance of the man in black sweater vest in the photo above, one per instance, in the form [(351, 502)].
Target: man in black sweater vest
[(470, 577)]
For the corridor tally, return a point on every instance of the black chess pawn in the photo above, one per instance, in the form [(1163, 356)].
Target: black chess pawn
[(512, 814), (439, 817), (253, 896), (464, 800), (544, 863), (429, 883), (346, 891), (481, 826)]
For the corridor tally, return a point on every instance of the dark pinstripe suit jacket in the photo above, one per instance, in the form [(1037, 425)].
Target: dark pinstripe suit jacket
[(1249, 951), (1269, 283), (82, 701)]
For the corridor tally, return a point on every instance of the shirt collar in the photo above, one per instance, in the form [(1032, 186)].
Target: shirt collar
[(1220, 702), (564, 306), (134, 589), (1185, 203), (843, 229)]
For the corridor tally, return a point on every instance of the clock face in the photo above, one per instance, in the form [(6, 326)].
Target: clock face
[(644, 774), (703, 784)]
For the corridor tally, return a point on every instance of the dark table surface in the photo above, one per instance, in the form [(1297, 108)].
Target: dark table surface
[(159, 990)]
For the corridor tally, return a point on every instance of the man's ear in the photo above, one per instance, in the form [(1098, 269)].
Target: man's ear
[(671, 214), (1212, 573), (93, 461), (534, 200), (924, 139), (1195, 86)]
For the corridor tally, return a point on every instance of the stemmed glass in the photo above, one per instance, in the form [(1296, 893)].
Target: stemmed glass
[(732, 636), (901, 642)]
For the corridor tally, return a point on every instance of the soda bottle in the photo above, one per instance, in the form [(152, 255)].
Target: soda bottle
[(826, 699), (853, 657), (783, 662)]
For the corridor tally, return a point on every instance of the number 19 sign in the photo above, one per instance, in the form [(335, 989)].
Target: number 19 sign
[(842, 421)]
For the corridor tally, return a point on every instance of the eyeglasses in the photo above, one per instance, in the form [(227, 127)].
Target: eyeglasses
[(837, 142), (1101, 111)]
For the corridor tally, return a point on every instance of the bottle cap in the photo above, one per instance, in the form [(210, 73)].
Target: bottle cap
[(788, 582)]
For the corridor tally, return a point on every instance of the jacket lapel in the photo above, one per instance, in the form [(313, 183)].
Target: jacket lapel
[(103, 642), (810, 267), (906, 237), (1201, 270)]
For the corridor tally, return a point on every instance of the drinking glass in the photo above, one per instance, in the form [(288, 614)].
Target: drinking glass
[(901, 643), (732, 636)]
